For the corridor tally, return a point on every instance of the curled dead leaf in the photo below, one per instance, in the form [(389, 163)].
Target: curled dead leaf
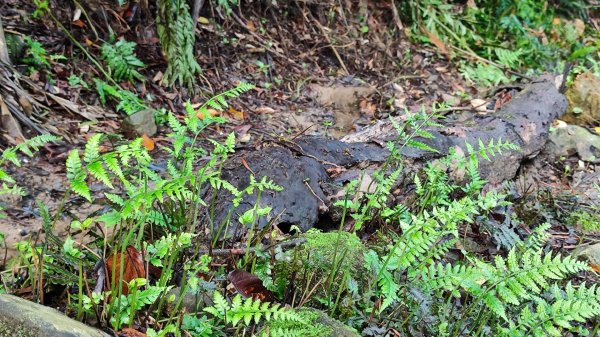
[(249, 285), (132, 263)]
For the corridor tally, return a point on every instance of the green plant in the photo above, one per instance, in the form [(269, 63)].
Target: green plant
[(121, 61), (36, 54), (41, 7), (226, 5), (128, 102), (11, 154), (248, 311), (77, 82), (176, 33), (500, 34), (326, 265)]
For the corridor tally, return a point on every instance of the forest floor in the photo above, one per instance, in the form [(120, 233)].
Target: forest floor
[(314, 75), (305, 85)]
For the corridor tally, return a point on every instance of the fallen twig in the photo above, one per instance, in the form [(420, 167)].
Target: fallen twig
[(244, 250)]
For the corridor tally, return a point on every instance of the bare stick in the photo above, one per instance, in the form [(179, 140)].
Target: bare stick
[(196, 11), (243, 250), (3, 48)]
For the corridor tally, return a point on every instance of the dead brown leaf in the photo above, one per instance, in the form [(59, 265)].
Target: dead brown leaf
[(441, 46), (8, 122), (264, 110), (132, 263)]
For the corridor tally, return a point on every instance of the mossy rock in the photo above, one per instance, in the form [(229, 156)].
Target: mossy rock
[(22, 318), (313, 323), (323, 255)]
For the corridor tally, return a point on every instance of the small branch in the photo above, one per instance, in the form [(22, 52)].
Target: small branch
[(333, 48), (242, 251), (198, 4), (4, 58)]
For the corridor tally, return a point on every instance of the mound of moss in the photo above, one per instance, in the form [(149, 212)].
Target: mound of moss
[(327, 268)]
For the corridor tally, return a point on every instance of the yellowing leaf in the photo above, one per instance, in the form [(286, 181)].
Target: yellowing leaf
[(147, 142), (236, 114), (203, 20)]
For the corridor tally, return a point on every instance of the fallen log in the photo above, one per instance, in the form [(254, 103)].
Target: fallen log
[(313, 171)]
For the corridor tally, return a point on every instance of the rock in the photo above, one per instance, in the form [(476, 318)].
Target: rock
[(22, 318), (141, 122), (318, 324), (568, 140), (590, 253), (584, 100), (342, 97)]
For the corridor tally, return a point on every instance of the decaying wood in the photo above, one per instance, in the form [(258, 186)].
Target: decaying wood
[(313, 170), (3, 47)]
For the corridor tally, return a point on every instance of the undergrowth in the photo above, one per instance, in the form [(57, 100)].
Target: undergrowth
[(146, 252), (496, 39)]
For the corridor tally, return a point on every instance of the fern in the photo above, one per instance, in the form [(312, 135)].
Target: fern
[(77, 176), (510, 280), (550, 318), (121, 60), (128, 102), (248, 310), (177, 37)]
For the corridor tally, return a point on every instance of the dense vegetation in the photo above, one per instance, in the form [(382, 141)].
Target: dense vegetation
[(403, 278)]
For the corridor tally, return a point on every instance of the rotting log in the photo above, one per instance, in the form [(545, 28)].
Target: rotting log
[(313, 171)]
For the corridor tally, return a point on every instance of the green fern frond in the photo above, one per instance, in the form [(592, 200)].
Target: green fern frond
[(248, 310), (77, 176), (121, 60), (550, 318)]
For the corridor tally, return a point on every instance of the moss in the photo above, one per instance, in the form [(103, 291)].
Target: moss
[(309, 267)]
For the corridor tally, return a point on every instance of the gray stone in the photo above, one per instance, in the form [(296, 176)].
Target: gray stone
[(590, 253), (22, 318), (567, 140), (141, 122), (584, 100)]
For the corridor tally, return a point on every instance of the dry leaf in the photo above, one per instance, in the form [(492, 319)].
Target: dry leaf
[(26, 105), (437, 42), (249, 285), (129, 332), (250, 25), (236, 114), (479, 104), (10, 125), (211, 112), (147, 142), (133, 267), (76, 14), (89, 42), (157, 77), (367, 108), (595, 267), (78, 23), (264, 110)]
